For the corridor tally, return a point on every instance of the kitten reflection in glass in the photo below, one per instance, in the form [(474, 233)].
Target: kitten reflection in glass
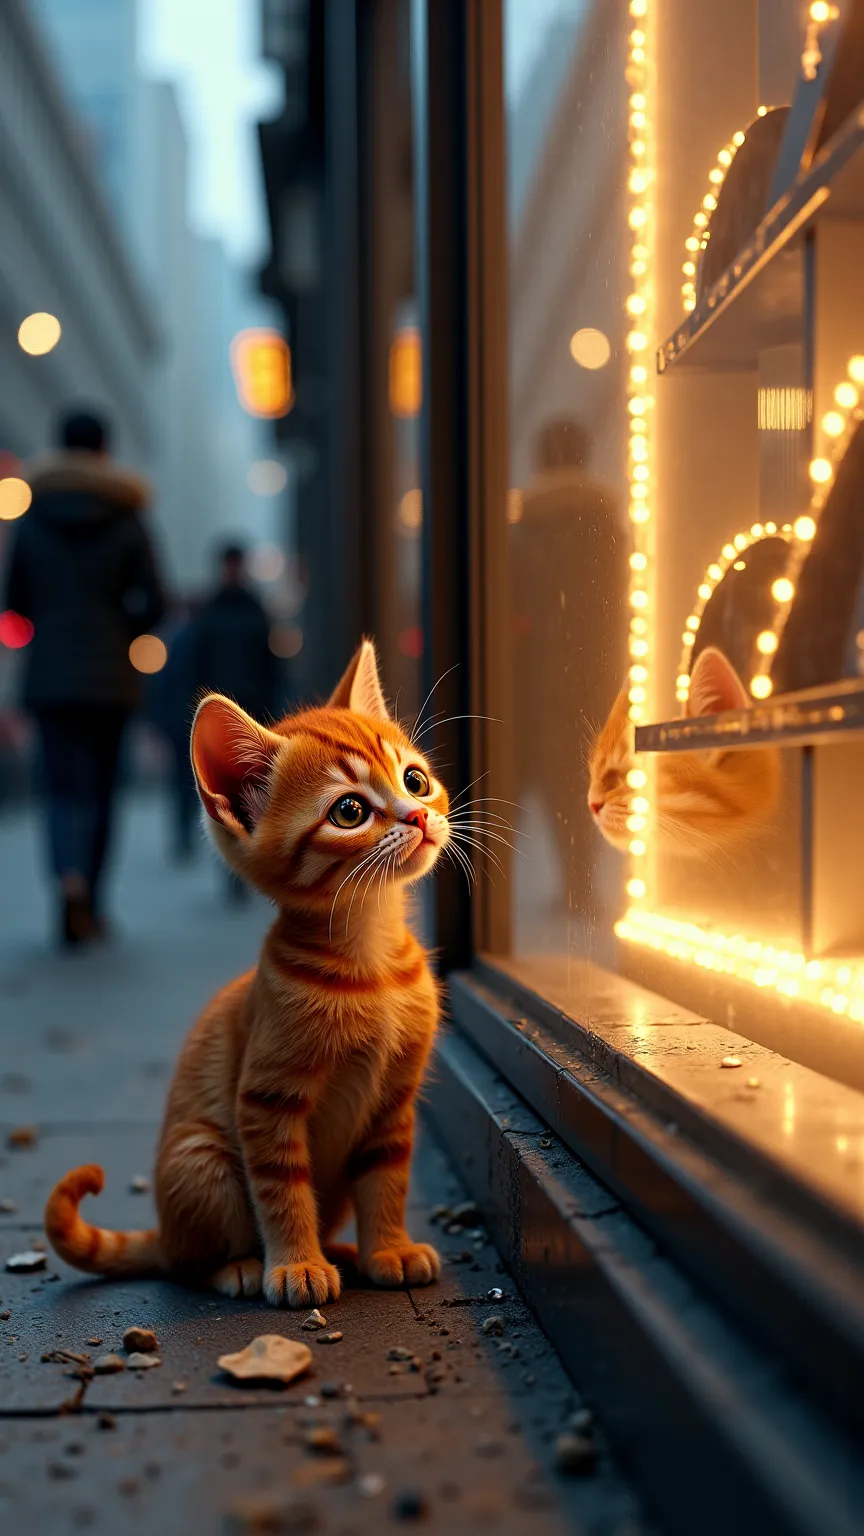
[(703, 800)]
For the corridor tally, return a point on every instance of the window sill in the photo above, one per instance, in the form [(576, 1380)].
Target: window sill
[(748, 1187)]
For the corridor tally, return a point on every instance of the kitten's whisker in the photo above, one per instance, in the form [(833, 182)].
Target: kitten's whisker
[(348, 877), (413, 737), (451, 720), (457, 798), (469, 842)]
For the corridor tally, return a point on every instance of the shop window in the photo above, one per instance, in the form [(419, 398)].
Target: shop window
[(686, 511)]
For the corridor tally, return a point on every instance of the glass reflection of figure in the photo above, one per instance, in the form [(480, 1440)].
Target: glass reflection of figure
[(568, 564)]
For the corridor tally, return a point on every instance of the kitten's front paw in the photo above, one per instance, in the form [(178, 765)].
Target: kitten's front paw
[(405, 1264), (302, 1285)]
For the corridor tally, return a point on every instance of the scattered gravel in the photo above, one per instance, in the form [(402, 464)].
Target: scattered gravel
[(8, 1206), (23, 1136), (26, 1263), (140, 1340), (333, 1337), (314, 1321), (140, 1185), (140, 1362), (107, 1365), (492, 1325), (270, 1357)]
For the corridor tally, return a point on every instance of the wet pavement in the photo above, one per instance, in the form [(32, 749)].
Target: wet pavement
[(460, 1432)]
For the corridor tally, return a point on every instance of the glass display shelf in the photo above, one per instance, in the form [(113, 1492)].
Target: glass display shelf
[(757, 303), (792, 719)]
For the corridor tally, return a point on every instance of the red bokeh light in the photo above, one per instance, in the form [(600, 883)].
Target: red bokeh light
[(410, 642), (15, 631)]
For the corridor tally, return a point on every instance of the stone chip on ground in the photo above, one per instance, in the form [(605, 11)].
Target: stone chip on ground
[(141, 1362), (314, 1321), (108, 1365), (26, 1263), (271, 1515), (140, 1340), (270, 1357)]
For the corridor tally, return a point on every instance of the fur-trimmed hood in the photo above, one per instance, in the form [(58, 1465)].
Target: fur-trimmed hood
[(91, 478)]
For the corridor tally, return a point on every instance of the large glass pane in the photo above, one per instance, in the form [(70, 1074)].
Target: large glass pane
[(686, 559)]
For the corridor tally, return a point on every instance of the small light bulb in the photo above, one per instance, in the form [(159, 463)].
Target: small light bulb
[(638, 561), (637, 147), (693, 622), (688, 637), (761, 111), (715, 572), (637, 847), (636, 888), (637, 695), (638, 101), (639, 514), (635, 823), (640, 805), (683, 680), (847, 396), (820, 10), (639, 599), (760, 686), (741, 541), (757, 530), (637, 218), (738, 139), (704, 591), (636, 305), (804, 528), (700, 220), (638, 647), (709, 201), (725, 157), (833, 423), (729, 551), (766, 643), (770, 527), (637, 341), (638, 625), (856, 369), (782, 590), (639, 373), (636, 406), (820, 471), (637, 778), (639, 675)]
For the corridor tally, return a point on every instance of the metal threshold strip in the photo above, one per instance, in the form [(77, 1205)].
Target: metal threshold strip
[(666, 1129)]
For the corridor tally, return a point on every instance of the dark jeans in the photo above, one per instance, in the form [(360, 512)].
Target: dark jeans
[(80, 758)]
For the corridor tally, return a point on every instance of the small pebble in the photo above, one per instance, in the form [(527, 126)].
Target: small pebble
[(107, 1365), (270, 1514), (581, 1422), (492, 1325), (179, 1386), (370, 1485), (333, 1337), (399, 1352), (411, 1504), (139, 1362), (23, 1136), (496, 1294), (468, 1213), (312, 1402), (546, 1142), (8, 1207), (140, 1341), (140, 1185), (575, 1455), (331, 1389), (5, 1316), (440, 1213), (731, 1061), (753, 1082), (93, 1343), (324, 1440), (314, 1321), (129, 1486), (26, 1263)]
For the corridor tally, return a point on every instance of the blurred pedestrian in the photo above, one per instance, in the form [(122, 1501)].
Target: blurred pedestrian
[(229, 648), (83, 571)]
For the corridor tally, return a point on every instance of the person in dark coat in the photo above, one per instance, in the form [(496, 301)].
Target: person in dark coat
[(227, 650), (83, 571)]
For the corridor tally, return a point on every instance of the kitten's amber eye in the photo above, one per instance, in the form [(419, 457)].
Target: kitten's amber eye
[(349, 812), (416, 782)]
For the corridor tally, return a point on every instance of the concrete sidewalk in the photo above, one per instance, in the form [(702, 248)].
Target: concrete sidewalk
[(460, 1437)]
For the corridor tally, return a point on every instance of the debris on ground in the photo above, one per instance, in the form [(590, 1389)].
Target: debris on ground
[(333, 1337), (370, 1485), (140, 1185), (314, 1321), (8, 1206), (440, 1213), (492, 1325), (138, 1361), (582, 1421), (26, 1263), (270, 1357), (22, 1136), (411, 1504), (575, 1455), (323, 1439), (179, 1386), (399, 1352), (107, 1365), (731, 1061), (271, 1515), (140, 1340), (106, 1421), (496, 1294), (330, 1470), (468, 1213), (64, 1357), (93, 1343)]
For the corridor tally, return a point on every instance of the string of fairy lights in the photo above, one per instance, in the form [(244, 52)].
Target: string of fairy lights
[(640, 405), (827, 984), (700, 234)]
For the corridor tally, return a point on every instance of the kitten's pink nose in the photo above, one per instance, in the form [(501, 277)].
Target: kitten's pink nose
[(417, 818), (595, 807)]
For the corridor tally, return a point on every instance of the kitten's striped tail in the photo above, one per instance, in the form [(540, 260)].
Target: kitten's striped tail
[(94, 1249)]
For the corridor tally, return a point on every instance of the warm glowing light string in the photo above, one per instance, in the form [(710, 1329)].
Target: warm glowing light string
[(836, 428), (820, 13), (730, 555), (700, 234), (828, 984), (640, 406)]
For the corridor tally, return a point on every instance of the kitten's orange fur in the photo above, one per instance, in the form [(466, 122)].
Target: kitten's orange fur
[(293, 1099), (703, 800)]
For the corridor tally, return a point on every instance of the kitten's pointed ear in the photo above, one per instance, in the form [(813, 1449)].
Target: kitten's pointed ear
[(715, 685), (359, 688), (232, 758)]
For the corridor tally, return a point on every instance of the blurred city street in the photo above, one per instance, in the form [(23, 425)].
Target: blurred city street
[(461, 1433)]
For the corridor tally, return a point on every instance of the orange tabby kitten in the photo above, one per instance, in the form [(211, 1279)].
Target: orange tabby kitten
[(293, 1099), (704, 800)]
